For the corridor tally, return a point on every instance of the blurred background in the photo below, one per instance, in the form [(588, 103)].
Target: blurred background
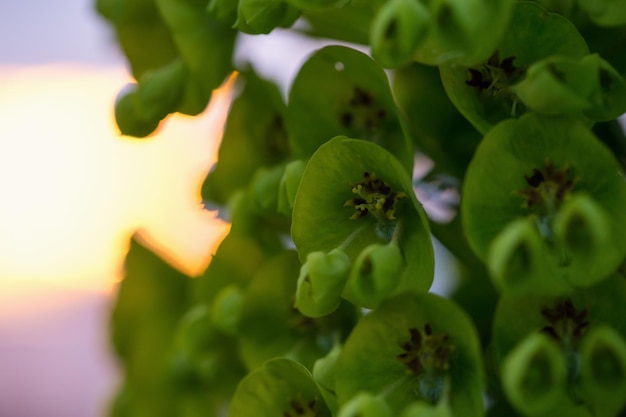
[(72, 193)]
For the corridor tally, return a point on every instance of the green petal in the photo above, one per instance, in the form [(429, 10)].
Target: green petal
[(340, 91), (277, 388), (382, 334), (322, 222)]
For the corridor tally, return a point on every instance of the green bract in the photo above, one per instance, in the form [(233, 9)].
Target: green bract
[(340, 91), (279, 388), (354, 194), (426, 349), (483, 92), (557, 176)]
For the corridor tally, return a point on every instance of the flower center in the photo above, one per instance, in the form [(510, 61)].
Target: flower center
[(302, 408), (374, 197), (427, 357)]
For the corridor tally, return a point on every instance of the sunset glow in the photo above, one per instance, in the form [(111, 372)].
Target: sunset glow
[(73, 190)]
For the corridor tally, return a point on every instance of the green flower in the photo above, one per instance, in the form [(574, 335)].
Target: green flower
[(483, 93), (426, 349), (280, 387), (340, 91), (354, 195), (542, 204)]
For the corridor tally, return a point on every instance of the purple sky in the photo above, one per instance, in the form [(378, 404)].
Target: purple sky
[(38, 32)]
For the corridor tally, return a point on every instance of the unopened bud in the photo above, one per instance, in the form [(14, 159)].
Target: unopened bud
[(128, 117)]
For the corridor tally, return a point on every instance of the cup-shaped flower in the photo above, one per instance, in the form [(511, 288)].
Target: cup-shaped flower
[(483, 92), (426, 349), (563, 85), (534, 374), (603, 371), (397, 30), (463, 31), (376, 272), (341, 91), (354, 194), (555, 174), (279, 387), (321, 282)]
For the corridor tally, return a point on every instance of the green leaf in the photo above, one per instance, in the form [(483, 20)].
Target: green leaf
[(279, 388), (141, 33), (605, 12), (340, 91), (263, 16), (204, 44), (161, 90), (482, 92), (151, 299), (322, 221), (254, 137), (403, 335), (437, 127)]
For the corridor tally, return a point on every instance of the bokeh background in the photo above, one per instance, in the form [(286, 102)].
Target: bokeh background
[(72, 193)]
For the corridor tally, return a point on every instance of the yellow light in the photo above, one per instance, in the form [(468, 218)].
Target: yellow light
[(72, 190)]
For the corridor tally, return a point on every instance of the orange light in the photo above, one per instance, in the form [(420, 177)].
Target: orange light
[(72, 190)]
